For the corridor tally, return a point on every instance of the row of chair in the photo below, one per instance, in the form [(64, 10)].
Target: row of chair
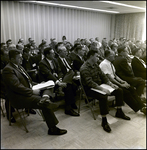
[(90, 102)]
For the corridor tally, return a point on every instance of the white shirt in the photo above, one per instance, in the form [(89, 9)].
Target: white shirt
[(50, 62), (105, 66)]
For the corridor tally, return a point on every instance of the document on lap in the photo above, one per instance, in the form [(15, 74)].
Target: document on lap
[(106, 86), (45, 85)]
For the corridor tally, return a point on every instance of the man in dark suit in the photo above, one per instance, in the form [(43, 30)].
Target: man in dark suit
[(125, 72), (20, 92), (78, 61), (49, 69), (138, 65)]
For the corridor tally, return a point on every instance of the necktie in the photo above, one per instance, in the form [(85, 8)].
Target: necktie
[(25, 75), (66, 64), (51, 64)]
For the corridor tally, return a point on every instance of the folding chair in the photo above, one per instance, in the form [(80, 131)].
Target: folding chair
[(22, 117), (110, 99), (87, 98)]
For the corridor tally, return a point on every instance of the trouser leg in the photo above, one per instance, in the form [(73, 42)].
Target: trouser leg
[(118, 96), (69, 95), (139, 84), (48, 114), (131, 99), (103, 103)]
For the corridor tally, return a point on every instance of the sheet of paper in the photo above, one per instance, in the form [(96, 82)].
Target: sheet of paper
[(48, 84)]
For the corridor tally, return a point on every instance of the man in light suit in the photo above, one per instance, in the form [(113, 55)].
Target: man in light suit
[(20, 92)]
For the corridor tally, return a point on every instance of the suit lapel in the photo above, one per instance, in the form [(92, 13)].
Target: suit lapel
[(27, 77)]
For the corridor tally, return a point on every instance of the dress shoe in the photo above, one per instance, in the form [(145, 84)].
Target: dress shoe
[(45, 102), (71, 112), (74, 106), (122, 115), (143, 110), (31, 111), (12, 120), (56, 131), (106, 127)]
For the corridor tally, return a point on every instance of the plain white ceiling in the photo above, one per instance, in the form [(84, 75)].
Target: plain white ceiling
[(106, 6)]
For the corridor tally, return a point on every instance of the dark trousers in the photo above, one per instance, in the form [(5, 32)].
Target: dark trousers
[(70, 92), (31, 103), (138, 83), (103, 103), (131, 99)]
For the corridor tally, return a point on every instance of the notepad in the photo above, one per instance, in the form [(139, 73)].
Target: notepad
[(45, 85), (106, 86)]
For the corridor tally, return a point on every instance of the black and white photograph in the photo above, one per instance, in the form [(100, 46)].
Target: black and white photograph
[(73, 74)]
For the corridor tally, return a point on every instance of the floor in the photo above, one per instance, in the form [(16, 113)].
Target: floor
[(83, 132)]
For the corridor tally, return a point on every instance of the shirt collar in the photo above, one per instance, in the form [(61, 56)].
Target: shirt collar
[(107, 61)]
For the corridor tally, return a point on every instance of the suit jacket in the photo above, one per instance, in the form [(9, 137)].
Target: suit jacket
[(18, 86), (71, 57), (62, 66), (67, 76), (138, 68), (77, 63), (46, 72), (123, 69)]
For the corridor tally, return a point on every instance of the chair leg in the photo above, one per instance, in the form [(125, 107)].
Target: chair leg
[(2, 108), (91, 108), (41, 114), (82, 91), (9, 114), (80, 101), (23, 121)]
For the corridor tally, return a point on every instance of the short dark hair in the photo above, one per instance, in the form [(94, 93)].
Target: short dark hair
[(47, 50), (57, 46), (91, 53), (64, 37), (13, 53), (79, 47), (121, 48), (9, 40)]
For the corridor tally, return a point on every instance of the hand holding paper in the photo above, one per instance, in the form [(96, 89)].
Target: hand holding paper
[(44, 85)]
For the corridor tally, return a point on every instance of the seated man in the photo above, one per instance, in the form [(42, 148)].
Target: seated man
[(93, 77), (125, 72), (138, 65), (78, 61), (49, 69), (129, 93), (20, 92)]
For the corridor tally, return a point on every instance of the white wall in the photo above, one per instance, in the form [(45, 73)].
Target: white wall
[(40, 21)]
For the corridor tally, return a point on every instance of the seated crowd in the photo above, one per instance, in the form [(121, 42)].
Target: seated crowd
[(119, 63)]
